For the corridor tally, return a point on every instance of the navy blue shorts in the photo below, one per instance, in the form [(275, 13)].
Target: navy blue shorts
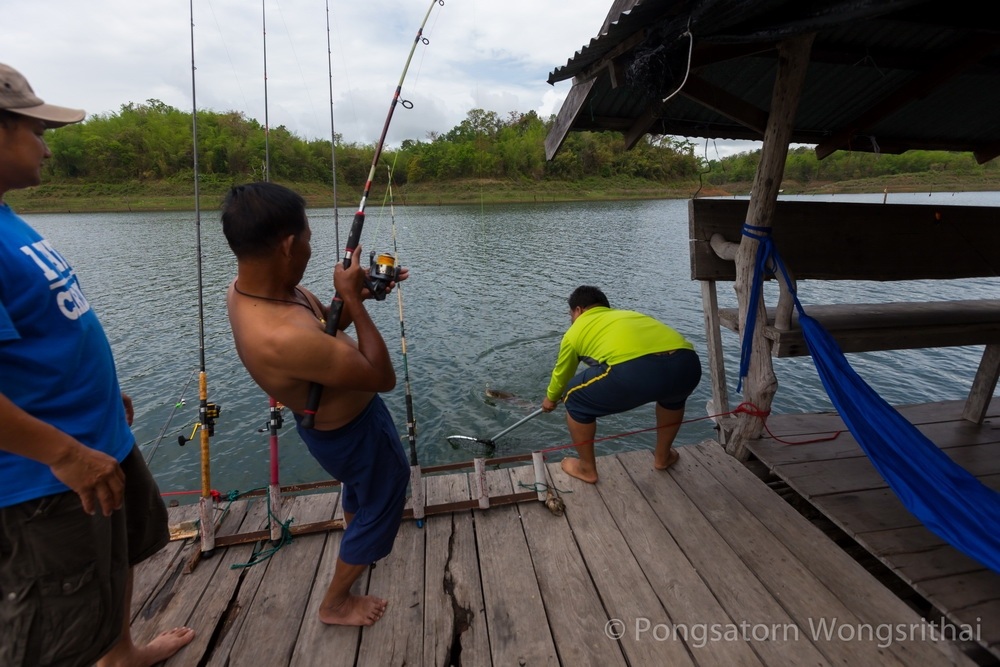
[(666, 378), (367, 457)]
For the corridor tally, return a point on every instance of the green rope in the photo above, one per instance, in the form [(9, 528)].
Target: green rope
[(263, 555)]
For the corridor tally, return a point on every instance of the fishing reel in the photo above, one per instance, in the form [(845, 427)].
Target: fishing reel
[(381, 272), (209, 413)]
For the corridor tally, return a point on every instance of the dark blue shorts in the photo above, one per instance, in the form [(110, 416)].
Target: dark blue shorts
[(367, 457), (666, 378)]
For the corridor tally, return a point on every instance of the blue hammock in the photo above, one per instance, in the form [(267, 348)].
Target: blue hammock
[(945, 497)]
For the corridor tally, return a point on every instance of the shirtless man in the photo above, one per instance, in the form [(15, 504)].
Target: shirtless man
[(278, 328)]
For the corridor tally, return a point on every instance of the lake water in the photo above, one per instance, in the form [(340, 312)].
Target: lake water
[(485, 308)]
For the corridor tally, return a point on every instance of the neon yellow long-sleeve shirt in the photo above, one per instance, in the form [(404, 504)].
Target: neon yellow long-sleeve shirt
[(610, 336)]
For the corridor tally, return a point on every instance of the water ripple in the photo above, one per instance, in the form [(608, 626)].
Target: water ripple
[(485, 307)]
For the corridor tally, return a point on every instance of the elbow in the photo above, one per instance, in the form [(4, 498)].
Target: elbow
[(388, 383)]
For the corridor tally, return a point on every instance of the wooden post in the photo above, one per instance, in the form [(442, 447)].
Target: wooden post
[(760, 383), (983, 385), (417, 494), (538, 461), (481, 490)]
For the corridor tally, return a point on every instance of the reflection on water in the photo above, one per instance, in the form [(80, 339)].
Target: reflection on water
[(485, 308)]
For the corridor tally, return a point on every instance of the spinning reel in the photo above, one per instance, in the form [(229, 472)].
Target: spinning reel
[(381, 273)]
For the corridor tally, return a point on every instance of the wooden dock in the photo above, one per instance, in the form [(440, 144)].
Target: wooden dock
[(838, 480), (700, 565)]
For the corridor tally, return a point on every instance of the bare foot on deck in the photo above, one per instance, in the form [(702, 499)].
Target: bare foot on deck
[(354, 610), (159, 649), (672, 457), (574, 468)]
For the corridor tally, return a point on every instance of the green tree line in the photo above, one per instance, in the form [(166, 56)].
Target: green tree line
[(152, 142), (802, 166)]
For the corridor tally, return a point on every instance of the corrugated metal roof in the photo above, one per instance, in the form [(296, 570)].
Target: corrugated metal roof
[(884, 75)]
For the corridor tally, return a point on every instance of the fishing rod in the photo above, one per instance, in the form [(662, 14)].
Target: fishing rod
[(354, 236), (416, 487), (207, 412), (333, 132), (267, 124)]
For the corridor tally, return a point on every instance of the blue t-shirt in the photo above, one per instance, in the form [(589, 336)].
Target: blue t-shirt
[(55, 361)]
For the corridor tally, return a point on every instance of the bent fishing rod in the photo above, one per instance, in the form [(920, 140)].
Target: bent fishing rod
[(354, 236)]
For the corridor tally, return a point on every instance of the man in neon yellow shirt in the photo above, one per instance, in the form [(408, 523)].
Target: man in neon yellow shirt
[(632, 359)]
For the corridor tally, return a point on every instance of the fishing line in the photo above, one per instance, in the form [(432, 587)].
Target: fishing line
[(229, 57), (416, 489), (291, 45), (179, 403), (354, 237)]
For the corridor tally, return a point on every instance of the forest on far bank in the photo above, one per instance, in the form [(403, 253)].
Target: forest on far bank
[(146, 149)]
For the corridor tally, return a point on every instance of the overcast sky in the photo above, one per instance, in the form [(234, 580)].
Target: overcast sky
[(101, 54)]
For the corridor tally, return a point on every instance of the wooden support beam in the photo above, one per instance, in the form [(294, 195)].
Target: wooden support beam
[(567, 114), (983, 385), (730, 106), (761, 385)]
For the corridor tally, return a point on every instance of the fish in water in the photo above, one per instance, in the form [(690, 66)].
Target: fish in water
[(499, 393)]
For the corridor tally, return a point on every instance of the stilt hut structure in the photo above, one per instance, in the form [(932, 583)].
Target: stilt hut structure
[(882, 76)]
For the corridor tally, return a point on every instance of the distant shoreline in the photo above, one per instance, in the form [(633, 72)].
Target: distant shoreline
[(162, 196)]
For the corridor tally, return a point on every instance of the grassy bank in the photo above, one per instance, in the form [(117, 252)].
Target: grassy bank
[(167, 196)]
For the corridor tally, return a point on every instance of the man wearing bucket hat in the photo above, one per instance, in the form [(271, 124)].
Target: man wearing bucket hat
[(78, 506)]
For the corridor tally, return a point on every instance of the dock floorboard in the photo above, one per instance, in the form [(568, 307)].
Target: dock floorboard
[(701, 565), (836, 478)]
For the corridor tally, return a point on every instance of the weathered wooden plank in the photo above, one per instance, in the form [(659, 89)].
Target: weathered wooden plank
[(878, 509), (275, 613), (963, 590), (919, 413), (776, 454), (337, 644), (574, 609), (201, 599), (741, 594), (397, 639), (862, 327), (872, 602), (518, 627), (789, 579), (149, 575), (989, 629), (819, 478), (915, 553), (454, 620), (855, 241), (627, 594), (682, 592)]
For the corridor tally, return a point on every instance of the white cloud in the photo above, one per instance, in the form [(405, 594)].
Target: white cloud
[(102, 54)]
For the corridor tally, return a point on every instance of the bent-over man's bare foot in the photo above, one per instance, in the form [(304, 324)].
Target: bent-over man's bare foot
[(575, 468), (354, 610), (671, 458)]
